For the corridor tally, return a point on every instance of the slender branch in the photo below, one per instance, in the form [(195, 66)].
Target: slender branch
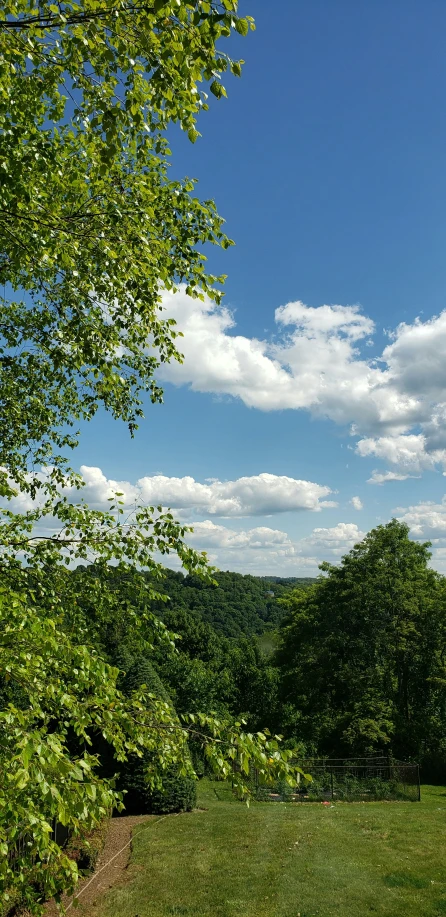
[(46, 22)]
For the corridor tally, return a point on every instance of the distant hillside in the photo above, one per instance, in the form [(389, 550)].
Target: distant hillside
[(240, 605), (292, 581)]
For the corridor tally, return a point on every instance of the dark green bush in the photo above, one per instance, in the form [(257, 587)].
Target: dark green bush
[(198, 760), (178, 793), (263, 793), (140, 672)]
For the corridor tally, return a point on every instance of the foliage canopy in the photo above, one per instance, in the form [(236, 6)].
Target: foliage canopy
[(91, 227), (362, 653), (92, 230)]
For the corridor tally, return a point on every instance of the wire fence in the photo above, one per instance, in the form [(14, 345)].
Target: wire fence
[(348, 780)]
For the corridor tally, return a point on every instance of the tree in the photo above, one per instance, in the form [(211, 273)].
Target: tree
[(64, 694), (60, 700), (91, 228), (92, 231), (362, 652), (178, 791)]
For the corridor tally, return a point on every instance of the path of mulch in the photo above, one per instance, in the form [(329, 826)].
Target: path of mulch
[(118, 835)]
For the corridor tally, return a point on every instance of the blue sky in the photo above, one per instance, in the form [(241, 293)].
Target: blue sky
[(328, 162)]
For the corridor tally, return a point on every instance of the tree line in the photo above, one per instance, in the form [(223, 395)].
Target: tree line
[(359, 660)]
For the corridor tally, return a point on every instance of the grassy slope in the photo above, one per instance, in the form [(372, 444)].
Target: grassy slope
[(280, 860)]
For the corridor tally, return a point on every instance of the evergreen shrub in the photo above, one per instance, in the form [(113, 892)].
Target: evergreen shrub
[(178, 793)]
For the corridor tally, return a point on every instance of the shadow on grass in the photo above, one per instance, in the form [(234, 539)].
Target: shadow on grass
[(402, 880)]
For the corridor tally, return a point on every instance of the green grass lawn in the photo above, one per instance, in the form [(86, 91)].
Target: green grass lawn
[(285, 860)]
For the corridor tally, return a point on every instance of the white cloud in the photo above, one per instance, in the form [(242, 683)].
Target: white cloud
[(314, 365), (332, 541), (257, 495), (264, 550), (260, 550), (416, 357), (356, 502), (426, 520), (260, 538), (325, 320), (407, 452), (98, 489), (438, 560), (382, 477), (314, 362)]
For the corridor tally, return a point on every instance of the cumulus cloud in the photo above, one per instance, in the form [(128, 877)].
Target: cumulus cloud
[(260, 538), (416, 357), (408, 452), (264, 549), (312, 364), (332, 541), (260, 550), (427, 520), (258, 495), (316, 361), (356, 502)]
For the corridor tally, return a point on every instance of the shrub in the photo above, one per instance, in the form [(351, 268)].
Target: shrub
[(263, 793), (198, 760), (141, 672), (178, 793), (11, 907), (85, 849)]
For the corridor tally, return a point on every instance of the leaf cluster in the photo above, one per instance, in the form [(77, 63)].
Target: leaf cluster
[(92, 229)]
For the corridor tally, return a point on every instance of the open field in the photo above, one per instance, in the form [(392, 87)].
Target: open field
[(285, 860)]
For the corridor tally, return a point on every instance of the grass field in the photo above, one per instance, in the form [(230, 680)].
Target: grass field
[(285, 860)]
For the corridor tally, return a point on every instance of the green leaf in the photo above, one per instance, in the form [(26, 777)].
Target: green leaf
[(242, 26), (216, 89)]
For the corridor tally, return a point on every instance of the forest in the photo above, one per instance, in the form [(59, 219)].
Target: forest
[(356, 666)]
